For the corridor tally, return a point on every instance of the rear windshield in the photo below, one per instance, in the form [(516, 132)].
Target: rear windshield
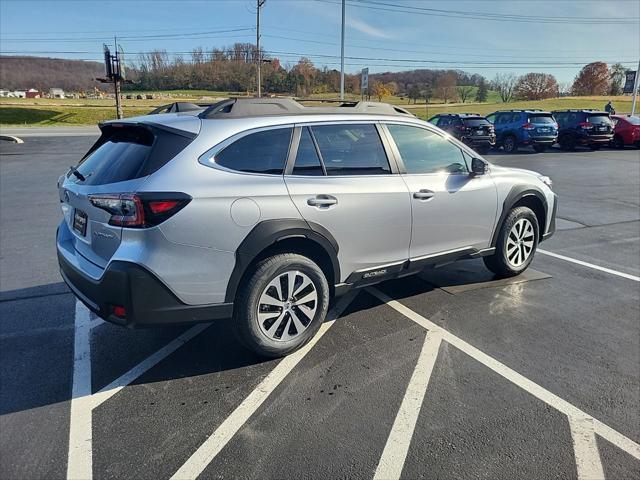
[(600, 119), (633, 120), (541, 119), (125, 153), (476, 122)]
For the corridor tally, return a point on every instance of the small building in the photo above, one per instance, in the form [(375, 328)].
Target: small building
[(56, 93), (33, 93)]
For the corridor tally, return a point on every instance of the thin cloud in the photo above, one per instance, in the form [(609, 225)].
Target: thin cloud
[(367, 29)]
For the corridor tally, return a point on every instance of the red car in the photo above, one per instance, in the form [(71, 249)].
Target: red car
[(626, 132)]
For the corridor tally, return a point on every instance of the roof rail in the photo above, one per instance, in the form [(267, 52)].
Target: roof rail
[(253, 107)]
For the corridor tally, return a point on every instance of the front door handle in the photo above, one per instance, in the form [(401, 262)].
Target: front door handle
[(322, 201), (423, 194)]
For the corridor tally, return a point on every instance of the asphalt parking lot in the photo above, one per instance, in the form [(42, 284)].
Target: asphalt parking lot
[(449, 374)]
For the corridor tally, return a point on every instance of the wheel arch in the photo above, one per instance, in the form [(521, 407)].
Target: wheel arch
[(523, 196), (271, 237)]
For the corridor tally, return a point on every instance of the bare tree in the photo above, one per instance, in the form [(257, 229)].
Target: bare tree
[(465, 92), (505, 84), (446, 87)]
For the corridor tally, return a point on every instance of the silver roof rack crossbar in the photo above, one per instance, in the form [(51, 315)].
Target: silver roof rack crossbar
[(254, 107)]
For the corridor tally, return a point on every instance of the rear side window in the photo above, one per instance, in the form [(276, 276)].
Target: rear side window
[(540, 119), (633, 120), (423, 151), (351, 150), (307, 160), (259, 152), (127, 152)]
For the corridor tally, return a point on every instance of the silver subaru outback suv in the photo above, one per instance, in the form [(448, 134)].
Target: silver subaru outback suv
[(263, 209)]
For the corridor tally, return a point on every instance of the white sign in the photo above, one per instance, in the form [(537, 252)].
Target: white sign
[(364, 83)]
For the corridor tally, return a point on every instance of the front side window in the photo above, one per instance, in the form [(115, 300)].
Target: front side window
[(259, 152), (351, 149), (423, 151)]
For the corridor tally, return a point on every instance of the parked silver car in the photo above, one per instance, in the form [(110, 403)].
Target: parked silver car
[(263, 209)]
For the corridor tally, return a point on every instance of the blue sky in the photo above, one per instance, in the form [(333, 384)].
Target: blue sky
[(385, 35)]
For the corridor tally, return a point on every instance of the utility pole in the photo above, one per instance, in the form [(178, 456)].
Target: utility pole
[(116, 80), (635, 90), (114, 73), (342, 53), (260, 3)]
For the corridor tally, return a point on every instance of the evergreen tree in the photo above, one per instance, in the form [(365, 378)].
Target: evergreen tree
[(481, 94)]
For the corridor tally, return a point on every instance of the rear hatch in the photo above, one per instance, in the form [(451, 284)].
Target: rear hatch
[(602, 126), (119, 162), (478, 127), (543, 125)]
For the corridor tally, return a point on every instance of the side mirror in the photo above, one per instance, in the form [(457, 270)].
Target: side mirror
[(478, 167)]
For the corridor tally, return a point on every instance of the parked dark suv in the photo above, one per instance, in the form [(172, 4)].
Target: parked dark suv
[(589, 128), (516, 128), (470, 128)]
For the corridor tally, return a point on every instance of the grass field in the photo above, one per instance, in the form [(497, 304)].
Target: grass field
[(44, 111)]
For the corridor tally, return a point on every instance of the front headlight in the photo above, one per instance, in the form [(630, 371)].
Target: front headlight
[(546, 180)]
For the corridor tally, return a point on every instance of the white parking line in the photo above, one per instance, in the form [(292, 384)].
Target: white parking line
[(397, 446), (590, 265), (585, 447), (529, 386), (80, 460), (202, 457), (79, 463), (149, 362)]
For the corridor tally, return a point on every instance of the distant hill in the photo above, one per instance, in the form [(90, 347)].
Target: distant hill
[(44, 73)]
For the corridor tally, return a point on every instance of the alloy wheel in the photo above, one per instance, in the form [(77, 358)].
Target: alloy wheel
[(520, 242), (287, 306)]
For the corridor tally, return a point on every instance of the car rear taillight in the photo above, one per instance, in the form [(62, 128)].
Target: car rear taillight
[(140, 210), (529, 126), (586, 125)]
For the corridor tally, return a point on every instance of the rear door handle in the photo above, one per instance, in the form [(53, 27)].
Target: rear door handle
[(322, 201), (423, 194)]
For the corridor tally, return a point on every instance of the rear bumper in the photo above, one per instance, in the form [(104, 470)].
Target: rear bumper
[(600, 139), (146, 299), (479, 141)]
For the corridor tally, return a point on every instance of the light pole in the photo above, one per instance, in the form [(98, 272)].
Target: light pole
[(342, 54), (260, 3), (635, 91)]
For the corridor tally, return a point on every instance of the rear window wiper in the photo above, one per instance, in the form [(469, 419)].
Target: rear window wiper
[(76, 173)]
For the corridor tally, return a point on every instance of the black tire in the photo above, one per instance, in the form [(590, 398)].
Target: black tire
[(499, 262), (509, 144), (539, 148), (246, 321), (567, 143), (617, 142), (594, 146)]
